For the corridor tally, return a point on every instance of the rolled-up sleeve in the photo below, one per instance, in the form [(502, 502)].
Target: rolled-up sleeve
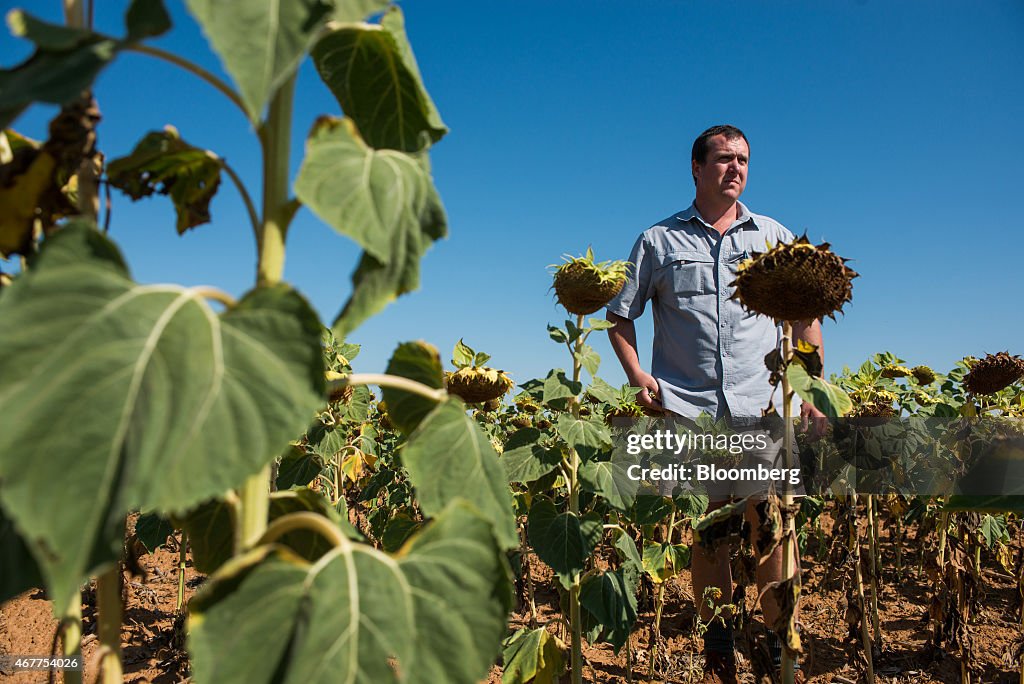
[(632, 300)]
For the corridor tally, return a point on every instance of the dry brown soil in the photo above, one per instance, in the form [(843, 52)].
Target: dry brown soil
[(152, 652)]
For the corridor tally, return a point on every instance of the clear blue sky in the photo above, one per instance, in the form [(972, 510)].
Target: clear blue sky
[(892, 130)]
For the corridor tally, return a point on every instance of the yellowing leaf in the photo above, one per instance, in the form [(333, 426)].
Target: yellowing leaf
[(163, 163), (18, 199)]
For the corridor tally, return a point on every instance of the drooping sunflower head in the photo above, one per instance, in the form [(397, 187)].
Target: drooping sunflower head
[(795, 281), (526, 404), (627, 410), (583, 286), (476, 385), (896, 371), (923, 374), (521, 420), (993, 373)]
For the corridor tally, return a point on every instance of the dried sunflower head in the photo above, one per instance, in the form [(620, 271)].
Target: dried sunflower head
[(896, 371), (873, 409), (924, 399), (885, 396), (383, 419), (627, 409), (583, 286), (475, 385), (923, 374), (526, 404), (795, 281), (521, 421), (993, 373)]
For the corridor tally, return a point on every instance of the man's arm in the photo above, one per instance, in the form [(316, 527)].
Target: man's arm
[(623, 341), (812, 333)]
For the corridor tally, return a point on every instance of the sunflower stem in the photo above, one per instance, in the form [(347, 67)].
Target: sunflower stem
[(788, 533)]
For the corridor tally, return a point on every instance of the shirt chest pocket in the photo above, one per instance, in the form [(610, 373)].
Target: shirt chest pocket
[(686, 273)]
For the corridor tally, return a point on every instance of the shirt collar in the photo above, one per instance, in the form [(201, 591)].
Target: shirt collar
[(743, 216)]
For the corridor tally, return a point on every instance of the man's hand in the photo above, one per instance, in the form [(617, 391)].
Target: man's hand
[(648, 394), (813, 421)]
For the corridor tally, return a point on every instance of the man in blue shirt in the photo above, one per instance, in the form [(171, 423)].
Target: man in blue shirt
[(708, 351)]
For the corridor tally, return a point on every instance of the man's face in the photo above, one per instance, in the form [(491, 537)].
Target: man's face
[(724, 171)]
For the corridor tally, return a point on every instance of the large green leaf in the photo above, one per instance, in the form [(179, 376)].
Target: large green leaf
[(398, 530), (385, 200), (828, 398), (462, 588), (525, 459), (138, 394), (663, 560), (357, 408), (210, 528), (152, 530), (588, 358), (328, 442), (602, 391), (67, 60), (610, 479), (532, 656), (163, 163), (260, 43), (562, 540), (992, 530), (435, 613), (558, 386), (417, 361), (449, 457), (356, 10), (65, 63), (298, 468), (372, 72), (610, 598), (306, 543), (580, 432), (20, 569), (649, 509)]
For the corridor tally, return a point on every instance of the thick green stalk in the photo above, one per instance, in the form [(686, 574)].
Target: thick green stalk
[(71, 637), (524, 550), (182, 551), (865, 629), (574, 506), (275, 137), (940, 573), (898, 534), (71, 622), (788, 537), (875, 566), (255, 509), (660, 602), (108, 603)]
